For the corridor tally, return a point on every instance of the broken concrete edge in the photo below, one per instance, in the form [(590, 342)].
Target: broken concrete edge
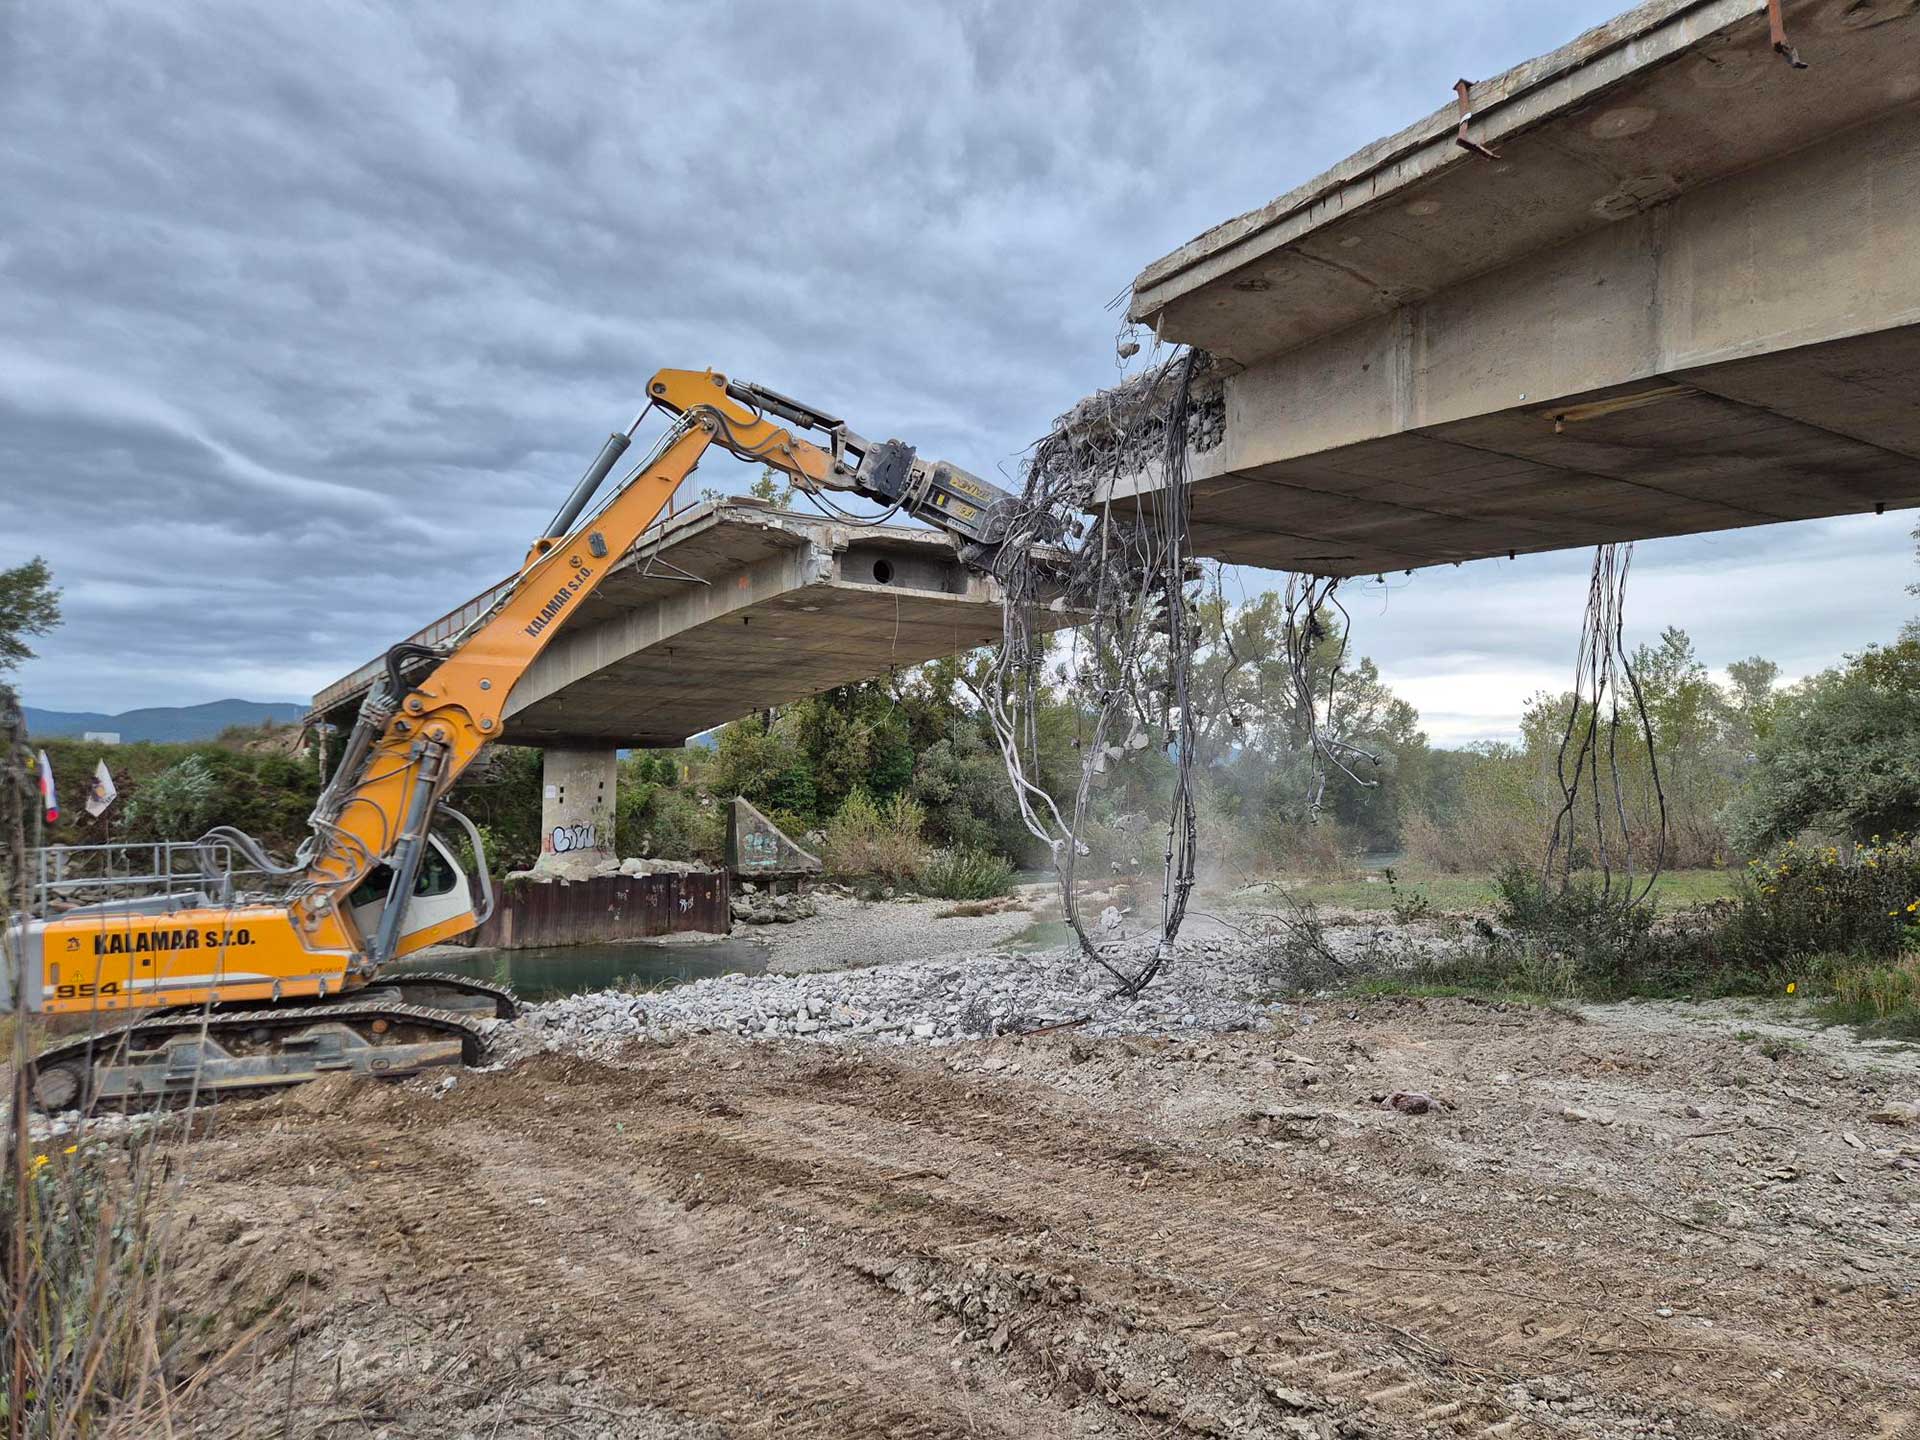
[(805, 527), (1524, 96), (759, 849)]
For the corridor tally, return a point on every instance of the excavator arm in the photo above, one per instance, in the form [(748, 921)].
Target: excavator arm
[(307, 959), (436, 710), (976, 512)]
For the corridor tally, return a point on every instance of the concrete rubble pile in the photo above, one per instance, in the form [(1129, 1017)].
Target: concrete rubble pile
[(590, 865), (753, 905), (1218, 985)]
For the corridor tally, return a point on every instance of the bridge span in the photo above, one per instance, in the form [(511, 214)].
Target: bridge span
[(726, 608), (1660, 281)]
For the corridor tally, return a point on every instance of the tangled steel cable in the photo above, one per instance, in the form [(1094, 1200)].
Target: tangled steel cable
[(1120, 459)]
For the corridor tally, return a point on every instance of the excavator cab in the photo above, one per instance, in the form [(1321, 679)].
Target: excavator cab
[(442, 904)]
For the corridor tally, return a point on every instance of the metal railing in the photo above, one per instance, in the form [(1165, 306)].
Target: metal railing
[(447, 626), (128, 872), (456, 620)]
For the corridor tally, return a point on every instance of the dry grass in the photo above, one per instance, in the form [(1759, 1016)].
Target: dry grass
[(95, 1344)]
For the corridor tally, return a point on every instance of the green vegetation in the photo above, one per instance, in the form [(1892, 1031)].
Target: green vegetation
[(1831, 922), (29, 605), (174, 792), (98, 1342), (659, 817), (965, 874), (1841, 755), (1450, 893), (1500, 799), (881, 841)]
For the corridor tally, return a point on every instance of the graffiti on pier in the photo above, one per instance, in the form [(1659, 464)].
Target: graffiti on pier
[(758, 850), (563, 839)]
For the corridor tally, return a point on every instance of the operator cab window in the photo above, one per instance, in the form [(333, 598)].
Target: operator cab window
[(435, 878)]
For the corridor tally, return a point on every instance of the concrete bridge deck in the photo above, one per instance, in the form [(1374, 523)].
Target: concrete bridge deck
[(726, 608), (1682, 295)]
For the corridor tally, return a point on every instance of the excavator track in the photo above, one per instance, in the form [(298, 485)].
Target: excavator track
[(506, 1004), (234, 1054)]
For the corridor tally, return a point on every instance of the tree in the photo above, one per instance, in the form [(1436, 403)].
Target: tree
[(1842, 753), (29, 605), (1255, 733), (772, 486)]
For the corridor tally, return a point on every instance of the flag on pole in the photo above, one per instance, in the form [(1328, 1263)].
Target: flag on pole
[(47, 798), (102, 792)]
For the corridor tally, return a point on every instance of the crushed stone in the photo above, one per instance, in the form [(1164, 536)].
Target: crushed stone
[(1216, 984)]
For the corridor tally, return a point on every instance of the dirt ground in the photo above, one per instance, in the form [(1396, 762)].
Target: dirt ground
[(1054, 1237)]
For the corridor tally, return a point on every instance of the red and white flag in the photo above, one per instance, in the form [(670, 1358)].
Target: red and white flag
[(47, 797)]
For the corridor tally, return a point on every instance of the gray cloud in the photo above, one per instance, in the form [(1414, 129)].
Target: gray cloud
[(309, 314)]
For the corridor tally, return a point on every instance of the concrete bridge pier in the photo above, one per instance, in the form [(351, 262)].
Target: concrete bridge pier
[(577, 789)]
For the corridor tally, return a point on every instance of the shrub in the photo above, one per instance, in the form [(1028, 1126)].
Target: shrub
[(1878, 992), (866, 839), (1409, 906), (1294, 944), (1581, 917), (967, 873), (100, 1342), (1582, 939), (1807, 900), (177, 804)]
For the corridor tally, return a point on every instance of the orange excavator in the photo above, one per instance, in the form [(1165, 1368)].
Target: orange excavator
[(233, 994)]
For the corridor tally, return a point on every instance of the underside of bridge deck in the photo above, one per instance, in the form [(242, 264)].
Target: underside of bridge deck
[(1671, 284), (732, 607)]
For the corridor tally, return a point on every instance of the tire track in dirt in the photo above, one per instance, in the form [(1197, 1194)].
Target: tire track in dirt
[(1464, 1308), (1238, 1232), (877, 1248), (696, 1312)]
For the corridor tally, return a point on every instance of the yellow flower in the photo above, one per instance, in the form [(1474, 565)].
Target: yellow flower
[(1791, 987), (70, 1150), (39, 1161)]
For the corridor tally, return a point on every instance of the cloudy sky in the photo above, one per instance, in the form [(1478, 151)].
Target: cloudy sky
[(310, 313)]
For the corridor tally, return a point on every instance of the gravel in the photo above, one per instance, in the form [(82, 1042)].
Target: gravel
[(845, 932), (1214, 984)]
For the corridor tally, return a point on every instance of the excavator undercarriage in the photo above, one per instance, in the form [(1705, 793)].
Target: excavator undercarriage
[(397, 1027)]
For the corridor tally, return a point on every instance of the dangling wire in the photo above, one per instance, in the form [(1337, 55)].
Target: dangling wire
[(1599, 667), (1125, 572), (1306, 596)]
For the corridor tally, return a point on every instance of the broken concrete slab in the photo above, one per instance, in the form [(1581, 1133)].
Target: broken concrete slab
[(1683, 295)]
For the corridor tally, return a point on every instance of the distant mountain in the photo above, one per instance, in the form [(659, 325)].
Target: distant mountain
[(163, 722)]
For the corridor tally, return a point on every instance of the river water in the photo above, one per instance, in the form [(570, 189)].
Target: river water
[(548, 973)]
